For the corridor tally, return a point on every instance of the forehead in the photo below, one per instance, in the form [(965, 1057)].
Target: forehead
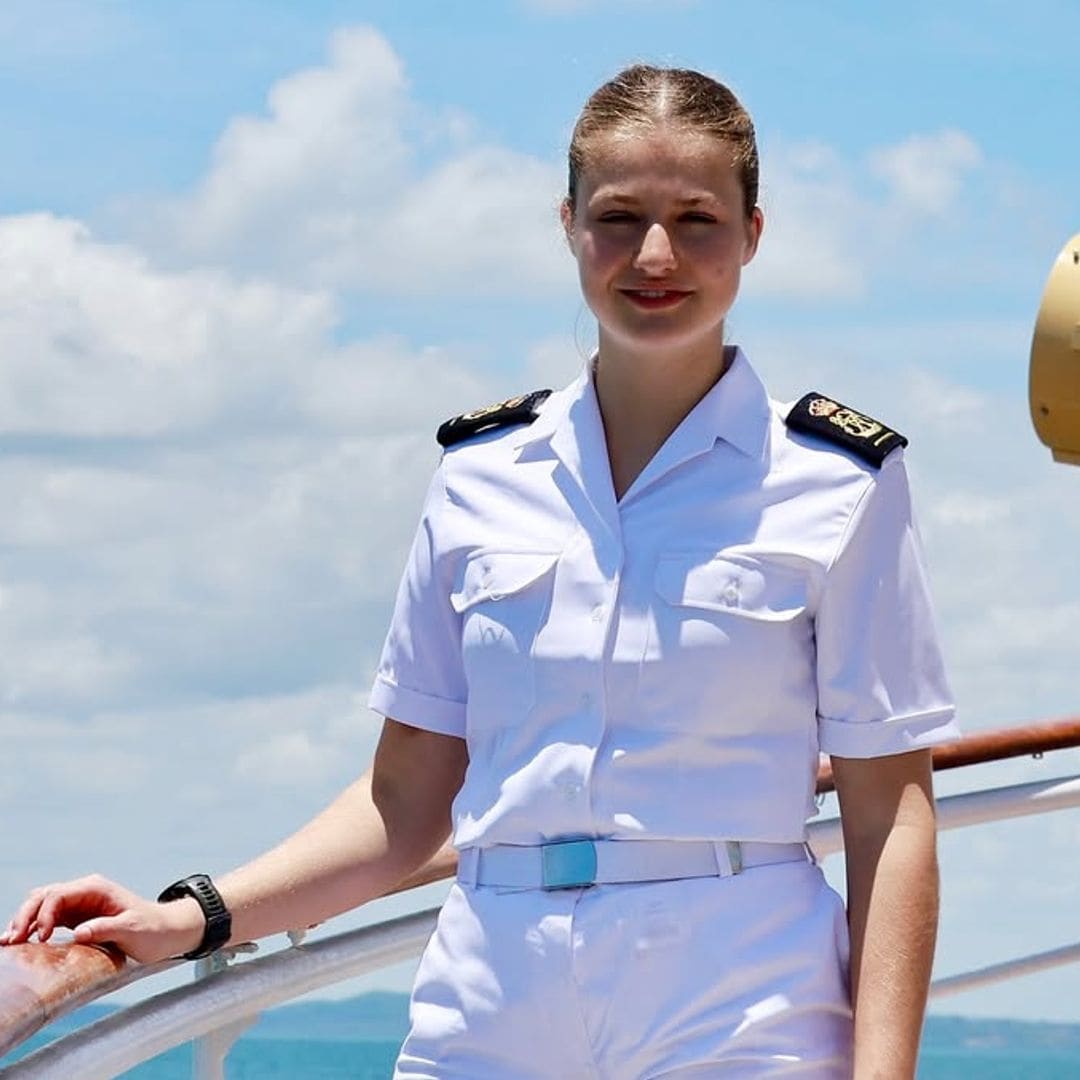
[(639, 162)]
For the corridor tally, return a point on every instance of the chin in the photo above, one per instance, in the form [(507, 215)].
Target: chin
[(661, 339)]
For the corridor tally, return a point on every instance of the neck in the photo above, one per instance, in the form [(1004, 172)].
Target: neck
[(644, 398)]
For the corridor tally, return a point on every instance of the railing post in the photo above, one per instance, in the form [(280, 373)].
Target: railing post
[(211, 1049)]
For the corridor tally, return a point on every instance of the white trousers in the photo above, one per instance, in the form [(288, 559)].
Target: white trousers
[(735, 978)]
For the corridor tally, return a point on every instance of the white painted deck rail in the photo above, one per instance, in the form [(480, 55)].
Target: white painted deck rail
[(225, 1000)]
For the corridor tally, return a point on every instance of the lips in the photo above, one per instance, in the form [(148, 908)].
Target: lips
[(653, 299)]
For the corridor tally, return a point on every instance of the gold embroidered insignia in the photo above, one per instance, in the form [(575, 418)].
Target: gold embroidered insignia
[(822, 407), (523, 409), (864, 436), (490, 410)]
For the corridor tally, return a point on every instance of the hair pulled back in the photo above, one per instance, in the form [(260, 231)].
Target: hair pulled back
[(643, 96)]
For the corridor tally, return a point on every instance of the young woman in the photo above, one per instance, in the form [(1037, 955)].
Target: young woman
[(634, 612)]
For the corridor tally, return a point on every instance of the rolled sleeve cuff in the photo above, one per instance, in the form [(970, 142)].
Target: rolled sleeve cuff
[(417, 709), (896, 735)]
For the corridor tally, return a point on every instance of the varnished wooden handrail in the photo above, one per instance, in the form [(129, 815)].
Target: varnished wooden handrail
[(39, 983), (1022, 741)]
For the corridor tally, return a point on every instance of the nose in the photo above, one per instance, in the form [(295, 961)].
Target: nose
[(657, 253)]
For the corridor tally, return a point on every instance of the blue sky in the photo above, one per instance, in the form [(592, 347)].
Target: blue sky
[(252, 254)]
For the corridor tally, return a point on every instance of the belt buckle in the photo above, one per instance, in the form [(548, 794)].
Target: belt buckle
[(568, 864)]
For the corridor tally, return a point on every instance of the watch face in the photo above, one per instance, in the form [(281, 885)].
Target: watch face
[(218, 920)]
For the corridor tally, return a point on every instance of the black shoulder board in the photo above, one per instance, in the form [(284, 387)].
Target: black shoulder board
[(517, 410), (865, 437)]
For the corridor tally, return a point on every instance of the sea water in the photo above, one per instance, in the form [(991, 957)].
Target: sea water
[(305, 1059)]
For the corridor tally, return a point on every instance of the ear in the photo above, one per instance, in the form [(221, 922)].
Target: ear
[(754, 227), (566, 214)]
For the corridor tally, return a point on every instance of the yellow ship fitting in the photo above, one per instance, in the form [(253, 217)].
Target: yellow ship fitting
[(1054, 381)]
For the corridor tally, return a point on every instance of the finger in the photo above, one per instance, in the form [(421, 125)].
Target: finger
[(20, 927), (51, 914), (128, 934), (74, 902), (106, 929)]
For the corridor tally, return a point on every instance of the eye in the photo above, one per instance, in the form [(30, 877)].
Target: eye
[(699, 217), (617, 217)]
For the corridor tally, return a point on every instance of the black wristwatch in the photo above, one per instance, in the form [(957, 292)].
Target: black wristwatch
[(218, 919)]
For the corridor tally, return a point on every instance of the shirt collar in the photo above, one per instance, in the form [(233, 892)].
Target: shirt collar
[(555, 410), (736, 409)]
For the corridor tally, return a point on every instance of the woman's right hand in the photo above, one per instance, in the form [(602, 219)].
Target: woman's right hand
[(98, 911)]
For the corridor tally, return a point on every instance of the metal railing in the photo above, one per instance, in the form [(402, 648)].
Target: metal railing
[(225, 1000)]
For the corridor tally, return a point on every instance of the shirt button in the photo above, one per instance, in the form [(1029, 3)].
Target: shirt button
[(731, 593), (598, 613), (586, 701)]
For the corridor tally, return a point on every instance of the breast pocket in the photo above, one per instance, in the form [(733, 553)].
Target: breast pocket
[(503, 598), (726, 634)]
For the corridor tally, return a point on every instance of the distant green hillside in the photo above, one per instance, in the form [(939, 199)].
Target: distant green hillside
[(383, 1017)]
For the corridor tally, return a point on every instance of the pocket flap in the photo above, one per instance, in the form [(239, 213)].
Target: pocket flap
[(491, 575), (743, 586)]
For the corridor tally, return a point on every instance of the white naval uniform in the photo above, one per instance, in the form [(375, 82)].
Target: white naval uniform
[(664, 666)]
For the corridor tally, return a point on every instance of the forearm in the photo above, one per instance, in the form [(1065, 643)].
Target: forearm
[(376, 833), (892, 913), (345, 856), (373, 836)]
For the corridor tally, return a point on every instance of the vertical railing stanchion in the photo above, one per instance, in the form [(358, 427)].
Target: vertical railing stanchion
[(211, 1049)]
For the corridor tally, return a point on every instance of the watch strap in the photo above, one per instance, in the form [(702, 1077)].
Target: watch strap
[(218, 919)]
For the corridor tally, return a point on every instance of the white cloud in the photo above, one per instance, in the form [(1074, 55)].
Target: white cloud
[(1029, 633), (336, 186), (831, 233), (94, 341), (289, 759), (950, 407), (927, 172), (56, 669), (555, 361), (207, 481), (812, 214), (346, 182), (971, 509), (186, 770), (332, 140)]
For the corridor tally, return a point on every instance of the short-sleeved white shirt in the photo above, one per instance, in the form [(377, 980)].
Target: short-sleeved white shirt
[(668, 665)]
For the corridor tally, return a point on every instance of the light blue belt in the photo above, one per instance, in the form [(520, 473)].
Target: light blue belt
[(575, 864)]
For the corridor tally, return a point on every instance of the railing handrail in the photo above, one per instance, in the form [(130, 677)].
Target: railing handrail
[(998, 745), (39, 983), (114, 1044), (119, 1041)]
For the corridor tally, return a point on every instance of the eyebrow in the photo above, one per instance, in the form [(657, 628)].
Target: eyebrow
[(692, 200)]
